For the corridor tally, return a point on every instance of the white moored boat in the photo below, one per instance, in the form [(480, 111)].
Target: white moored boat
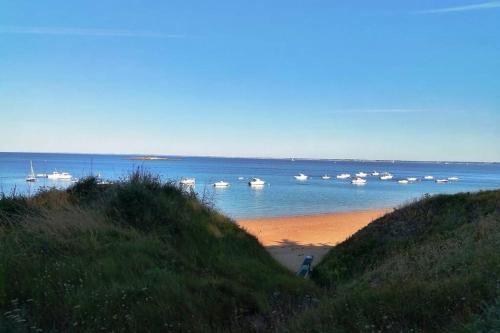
[(375, 173), (188, 181), (325, 177), (256, 182), (358, 181), (361, 174), (386, 176), (59, 175), (441, 181), (221, 184), (31, 176), (428, 177), (412, 179), (301, 177), (453, 178), (343, 176), (403, 181), (241, 178)]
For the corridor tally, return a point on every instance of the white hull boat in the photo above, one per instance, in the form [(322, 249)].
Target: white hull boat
[(358, 181), (188, 182), (361, 174), (375, 173), (429, 177), (221, 184), (59, 175), (325, 177), (441, 181), (453, 179), (403, 181), (256, 182), (343, 176), (301, 177), (412, 179), (386, 177)]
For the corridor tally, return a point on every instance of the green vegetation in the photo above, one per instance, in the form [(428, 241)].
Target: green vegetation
[(432, 266), (139, 255)]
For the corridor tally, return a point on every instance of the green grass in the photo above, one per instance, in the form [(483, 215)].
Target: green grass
[(432, 266), (140, 255), (147, 256)]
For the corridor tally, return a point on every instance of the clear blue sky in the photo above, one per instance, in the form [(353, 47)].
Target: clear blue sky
[(415, 80)]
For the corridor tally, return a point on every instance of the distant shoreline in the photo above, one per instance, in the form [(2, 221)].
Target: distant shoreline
[(296, 159), (148, 158)]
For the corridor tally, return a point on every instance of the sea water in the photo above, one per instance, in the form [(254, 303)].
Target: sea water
[(282, 195)]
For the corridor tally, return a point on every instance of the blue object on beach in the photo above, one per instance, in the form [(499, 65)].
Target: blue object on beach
[(305, 268)]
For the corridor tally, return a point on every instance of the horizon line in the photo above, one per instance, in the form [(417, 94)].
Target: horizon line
[(257, 157)]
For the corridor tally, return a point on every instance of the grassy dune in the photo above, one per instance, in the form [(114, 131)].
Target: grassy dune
[(135, 256), (431, 266), (145, 256)]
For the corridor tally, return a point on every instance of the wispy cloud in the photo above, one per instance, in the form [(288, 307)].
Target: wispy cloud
[(396, 110), (86, 32), (479, 6)]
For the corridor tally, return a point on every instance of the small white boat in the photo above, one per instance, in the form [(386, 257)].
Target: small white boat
[(221, 184), (403, 181), (31, 176), (386, 176), (453, 179), (325, 177), (241, 178), (41, 175), (301, 177), (358, 181), (375, 173), (441, 181), (428, 177), (343, 176), (256, 182), (361, 174), (59, 176), (412, 179), (188, 181)]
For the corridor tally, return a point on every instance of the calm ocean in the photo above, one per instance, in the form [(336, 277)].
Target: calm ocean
[(283, 195)]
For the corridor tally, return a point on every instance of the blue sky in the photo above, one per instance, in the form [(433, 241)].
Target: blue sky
[(415, 80)]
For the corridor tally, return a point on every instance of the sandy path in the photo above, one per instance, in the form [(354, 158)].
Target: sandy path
[(290, 238)]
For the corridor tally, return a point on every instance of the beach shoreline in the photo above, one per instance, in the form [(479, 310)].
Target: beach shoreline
[(290, 238)]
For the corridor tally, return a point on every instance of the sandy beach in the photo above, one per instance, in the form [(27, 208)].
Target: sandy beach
[(290, 238)]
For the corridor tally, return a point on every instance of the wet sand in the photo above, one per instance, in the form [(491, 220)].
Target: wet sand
[(290, 238)]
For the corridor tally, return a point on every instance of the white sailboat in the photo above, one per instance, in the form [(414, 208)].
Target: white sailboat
[(31, 176)]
